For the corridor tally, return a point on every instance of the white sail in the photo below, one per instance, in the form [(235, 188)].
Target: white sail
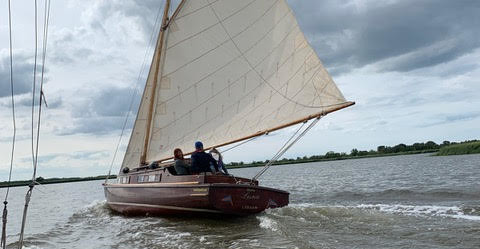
[(230, 69)]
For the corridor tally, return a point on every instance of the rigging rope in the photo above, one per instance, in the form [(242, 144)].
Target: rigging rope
[(3, 241), (287, 146), (41, 100), (242, 143), (34, 85), (132, 100)]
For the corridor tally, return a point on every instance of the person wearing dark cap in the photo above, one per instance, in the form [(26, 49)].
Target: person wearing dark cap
[(201, 161)]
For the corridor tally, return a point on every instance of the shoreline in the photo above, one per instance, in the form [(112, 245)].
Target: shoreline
[(446, 149), (46, 181), (295, 161)]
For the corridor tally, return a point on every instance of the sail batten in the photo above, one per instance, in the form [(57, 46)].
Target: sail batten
[(232, 69)]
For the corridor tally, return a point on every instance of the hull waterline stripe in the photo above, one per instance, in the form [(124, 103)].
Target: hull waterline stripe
[(165, 207)]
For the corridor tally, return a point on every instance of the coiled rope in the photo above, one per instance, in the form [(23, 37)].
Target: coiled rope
[(3, 241), (287, 146), (41, 101)]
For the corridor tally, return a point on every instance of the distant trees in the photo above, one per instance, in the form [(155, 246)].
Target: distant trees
[(354, 152), (429, 146)]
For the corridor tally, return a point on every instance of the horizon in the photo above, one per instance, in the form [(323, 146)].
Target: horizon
[(413, 74)]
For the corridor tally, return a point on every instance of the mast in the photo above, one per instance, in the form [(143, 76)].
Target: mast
[(155, 81)]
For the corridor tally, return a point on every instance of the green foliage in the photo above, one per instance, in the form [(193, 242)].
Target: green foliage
[(460, 149), (382, 150)]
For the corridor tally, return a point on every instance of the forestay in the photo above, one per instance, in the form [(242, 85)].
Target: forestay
[(229, 69)]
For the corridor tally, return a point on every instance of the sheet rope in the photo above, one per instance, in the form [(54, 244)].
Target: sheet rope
[(287, 146)]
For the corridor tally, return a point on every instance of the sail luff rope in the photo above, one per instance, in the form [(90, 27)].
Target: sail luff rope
[(3, 240), (41, 100), (285, 148), (155, 81), (132, 100)]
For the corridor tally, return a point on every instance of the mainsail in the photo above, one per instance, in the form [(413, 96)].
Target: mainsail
[(228, 70)]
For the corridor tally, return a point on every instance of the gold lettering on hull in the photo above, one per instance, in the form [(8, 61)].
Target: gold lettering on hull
[(200, 189), (250, 195)]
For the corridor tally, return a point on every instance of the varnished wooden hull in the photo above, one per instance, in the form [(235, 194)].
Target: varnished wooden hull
[(192, 198)]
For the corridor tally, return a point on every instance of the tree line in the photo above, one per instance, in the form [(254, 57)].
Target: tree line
[(416, 148)]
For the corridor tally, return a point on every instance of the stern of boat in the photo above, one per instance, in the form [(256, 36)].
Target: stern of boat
[(241, 199)]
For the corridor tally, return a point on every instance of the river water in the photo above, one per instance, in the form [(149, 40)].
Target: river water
[(415, 201)]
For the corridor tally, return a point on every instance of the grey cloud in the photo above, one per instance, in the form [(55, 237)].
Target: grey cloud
[(427, 32), (449, 118), (22, 75), (143, 11), (103, 112), (94, 125), (70, 46), (49, 158), (109, 102), (25, 100), (53, 103)]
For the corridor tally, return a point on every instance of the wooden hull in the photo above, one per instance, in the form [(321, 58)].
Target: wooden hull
[(180, 198)]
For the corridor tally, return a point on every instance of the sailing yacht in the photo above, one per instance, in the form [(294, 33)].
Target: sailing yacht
[(223, 72)]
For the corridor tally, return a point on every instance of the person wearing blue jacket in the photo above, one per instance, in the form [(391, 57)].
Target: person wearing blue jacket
[(202, 161)]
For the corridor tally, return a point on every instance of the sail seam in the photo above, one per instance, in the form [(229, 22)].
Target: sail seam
[(250, 64), (234, 59), (211, 26), (196, 10), (225, 88), (230, 39), (249, 113), (279, 72), (227, 64), (339, 106)]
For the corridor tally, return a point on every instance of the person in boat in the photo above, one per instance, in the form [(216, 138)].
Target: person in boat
[(202, 161), (181, 167), (218, 157)]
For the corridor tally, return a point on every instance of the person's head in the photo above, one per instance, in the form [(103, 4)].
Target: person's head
[(178, 154), (214, 150), (198, 146)]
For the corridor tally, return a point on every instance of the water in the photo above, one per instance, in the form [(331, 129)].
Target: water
[(417, 201)]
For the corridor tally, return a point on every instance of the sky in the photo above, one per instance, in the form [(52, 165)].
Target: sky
[(411, 66)]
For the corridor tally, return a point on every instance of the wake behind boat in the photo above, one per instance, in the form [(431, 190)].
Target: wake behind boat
[(223, 72)]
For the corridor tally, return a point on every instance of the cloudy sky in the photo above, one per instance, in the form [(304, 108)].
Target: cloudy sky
[(413, 68)]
